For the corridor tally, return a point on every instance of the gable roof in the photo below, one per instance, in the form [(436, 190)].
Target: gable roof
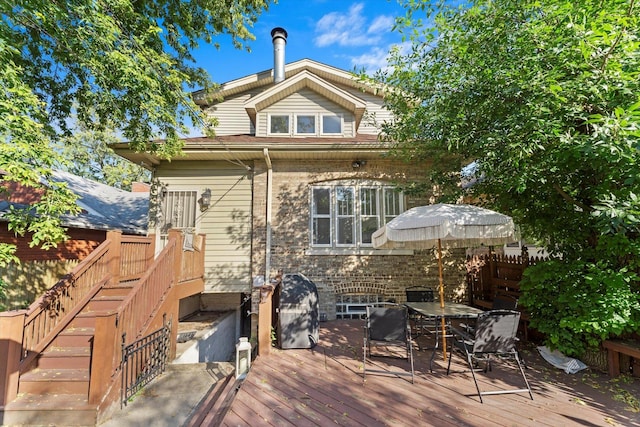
[(329, 82), (103, 207), (305, 79), (264, 79)]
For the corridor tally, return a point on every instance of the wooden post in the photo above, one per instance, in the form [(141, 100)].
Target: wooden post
[(177, 260), (264, 320), (115, 250), (151, 252), (11, 331), (105, 355)]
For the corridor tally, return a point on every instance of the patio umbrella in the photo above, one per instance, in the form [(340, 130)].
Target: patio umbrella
[(455, 226)]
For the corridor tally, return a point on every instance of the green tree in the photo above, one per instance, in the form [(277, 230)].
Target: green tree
[(87, 154), (544, 98), (101, 62)]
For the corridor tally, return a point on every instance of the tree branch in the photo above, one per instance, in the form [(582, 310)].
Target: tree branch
[(570, 199)]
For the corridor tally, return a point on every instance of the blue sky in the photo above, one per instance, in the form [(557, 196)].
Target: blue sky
[(343, 34)]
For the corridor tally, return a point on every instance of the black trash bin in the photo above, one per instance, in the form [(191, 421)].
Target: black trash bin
[(297, 312)]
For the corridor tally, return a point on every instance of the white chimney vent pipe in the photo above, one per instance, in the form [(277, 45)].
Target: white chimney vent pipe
[(279, 39)]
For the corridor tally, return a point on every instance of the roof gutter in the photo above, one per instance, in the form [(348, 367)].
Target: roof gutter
[(267, 260)]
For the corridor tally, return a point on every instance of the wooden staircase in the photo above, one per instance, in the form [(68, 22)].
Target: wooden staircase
[(70, 374), (57, 389)]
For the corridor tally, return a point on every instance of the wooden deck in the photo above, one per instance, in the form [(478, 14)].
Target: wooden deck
[(323, 386)]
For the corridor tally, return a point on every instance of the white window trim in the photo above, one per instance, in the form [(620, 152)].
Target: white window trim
[(315, 124), (180, 198), (379, 206), (331, 223), (322, 116), (269, 115), (353, 216), (357, 248)]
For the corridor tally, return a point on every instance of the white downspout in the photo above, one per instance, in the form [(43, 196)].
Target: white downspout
[(267, 253)]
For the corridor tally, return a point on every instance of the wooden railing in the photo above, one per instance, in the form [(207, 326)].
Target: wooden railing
[(149, 302), (44, 316), (48, 315), (147, 295), (25, 333), (136, 255)]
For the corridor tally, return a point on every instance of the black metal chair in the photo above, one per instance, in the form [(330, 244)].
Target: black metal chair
[(419, 294), (500, 302), (387, 324), (494, 339), (504, 302), (420, 325)]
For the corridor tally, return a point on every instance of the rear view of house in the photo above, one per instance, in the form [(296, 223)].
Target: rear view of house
[(296, 179)]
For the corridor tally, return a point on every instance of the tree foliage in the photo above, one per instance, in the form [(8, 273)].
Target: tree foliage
[(544, 98), (100, 62), (87, 154)]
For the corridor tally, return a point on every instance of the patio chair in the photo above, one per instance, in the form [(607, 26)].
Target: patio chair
[(500, 302), (419, 324), (419, 294), (494, 339), (387, 324), (504, 302)]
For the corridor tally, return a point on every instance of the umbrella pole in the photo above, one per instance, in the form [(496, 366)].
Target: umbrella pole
[(441, 292)]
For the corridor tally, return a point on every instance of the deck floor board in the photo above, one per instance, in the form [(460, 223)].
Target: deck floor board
[(324, 386)]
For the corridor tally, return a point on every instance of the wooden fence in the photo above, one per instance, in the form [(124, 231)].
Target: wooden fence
[(493, 274)]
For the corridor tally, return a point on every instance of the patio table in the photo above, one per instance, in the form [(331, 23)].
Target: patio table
[(433, 310)]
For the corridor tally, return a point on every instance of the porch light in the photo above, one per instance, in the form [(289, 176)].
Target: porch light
[(205, 199), (243, 357)]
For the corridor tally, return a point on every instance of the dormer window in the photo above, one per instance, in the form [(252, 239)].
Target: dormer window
[(305, 124), (331, 124), (279, 124)]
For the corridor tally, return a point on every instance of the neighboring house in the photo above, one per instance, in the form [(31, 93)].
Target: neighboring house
[(296, 179), (104, 209)]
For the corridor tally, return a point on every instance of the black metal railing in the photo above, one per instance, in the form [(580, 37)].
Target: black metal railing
[(143, 360)]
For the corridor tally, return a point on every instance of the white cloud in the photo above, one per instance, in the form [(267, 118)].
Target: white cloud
[(382, 23), (351, 28), (376, 58)]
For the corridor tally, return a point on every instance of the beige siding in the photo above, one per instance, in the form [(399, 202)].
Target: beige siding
[(231, 115), (376, 113), (305, 101), (227, 222)]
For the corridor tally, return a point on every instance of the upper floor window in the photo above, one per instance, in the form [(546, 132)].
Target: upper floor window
[(331, 124), (279, 124), (347, 214), (305, 124)]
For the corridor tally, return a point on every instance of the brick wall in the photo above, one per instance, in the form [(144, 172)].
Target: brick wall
[(80, 244), (387, 275)]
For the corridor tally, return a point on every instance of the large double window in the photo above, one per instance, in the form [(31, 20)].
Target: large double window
[(346, 214)]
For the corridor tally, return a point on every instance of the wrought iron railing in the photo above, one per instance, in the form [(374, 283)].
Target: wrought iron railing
[(143, 360)]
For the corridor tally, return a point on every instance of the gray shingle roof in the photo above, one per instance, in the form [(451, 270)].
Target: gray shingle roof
[(103, 207)]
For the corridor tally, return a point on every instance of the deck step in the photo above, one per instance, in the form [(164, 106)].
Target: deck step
[(83, 320), (55, 381), (104, 303), (74, 337), (117, 291), (51, 409), (65, 358)]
